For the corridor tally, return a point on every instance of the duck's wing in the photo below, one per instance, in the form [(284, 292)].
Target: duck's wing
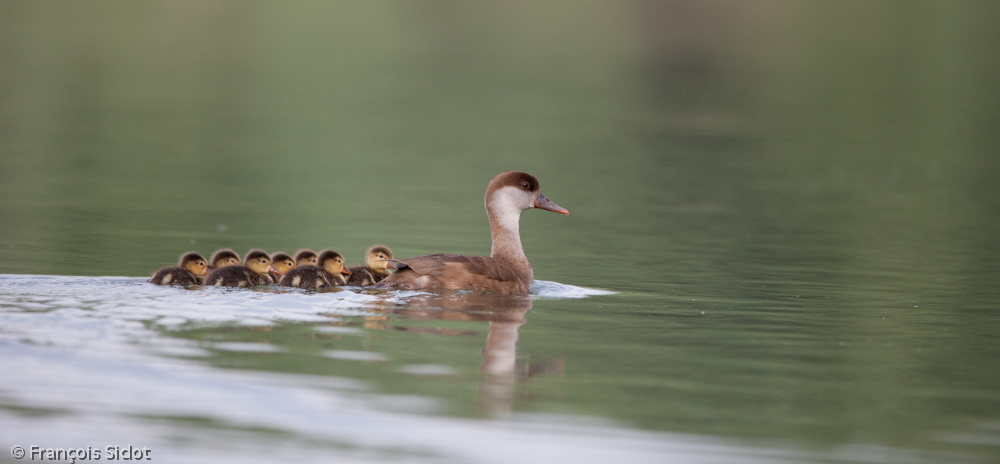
[(445, 265)]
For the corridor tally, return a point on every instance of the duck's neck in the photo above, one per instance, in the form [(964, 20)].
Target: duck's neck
[(504, 227)]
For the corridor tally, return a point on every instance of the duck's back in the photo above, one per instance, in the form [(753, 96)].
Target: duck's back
[(363, 276), (456, 272), (306, 276), (236, 276), (174, 275)]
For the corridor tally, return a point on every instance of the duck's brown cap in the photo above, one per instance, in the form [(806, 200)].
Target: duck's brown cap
[(521, 180), (256, 254), (189, 257), (379, 249), (327, 255), (304, 253), (279, 256), (223, 253)]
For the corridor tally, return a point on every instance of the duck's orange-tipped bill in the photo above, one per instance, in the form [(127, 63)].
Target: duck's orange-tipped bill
[(391, 265), (546, 204), (273, 270), (345, 271)]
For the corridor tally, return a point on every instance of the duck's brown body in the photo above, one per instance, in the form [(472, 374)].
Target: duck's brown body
[(457, 272), (174, 275), (506, 270)]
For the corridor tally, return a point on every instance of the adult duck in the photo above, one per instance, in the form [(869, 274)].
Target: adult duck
[(506, 270)]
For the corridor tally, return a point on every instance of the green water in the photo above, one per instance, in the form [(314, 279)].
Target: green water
[(795, 201)]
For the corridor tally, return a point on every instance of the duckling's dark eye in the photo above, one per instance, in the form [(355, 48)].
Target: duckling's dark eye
[(524, 184)]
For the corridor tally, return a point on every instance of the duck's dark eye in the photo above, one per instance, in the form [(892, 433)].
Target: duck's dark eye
[(524, 184)]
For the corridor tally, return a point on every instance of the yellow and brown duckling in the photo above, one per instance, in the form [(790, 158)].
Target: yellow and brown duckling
[(223, 257), (281, 264), (252, 273), (329, 273), (190, 269), (306, 256), (375, 268)]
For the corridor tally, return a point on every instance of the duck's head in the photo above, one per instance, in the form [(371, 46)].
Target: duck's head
[(377, 258), (332, 262), (258, 261), (194, 262), (511, 192), (305, 256), (282, 262), (224, 257)]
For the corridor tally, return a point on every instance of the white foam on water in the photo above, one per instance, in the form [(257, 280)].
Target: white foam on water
[(547, 289)]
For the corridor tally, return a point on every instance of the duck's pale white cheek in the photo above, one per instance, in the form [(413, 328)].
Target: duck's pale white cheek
[(507, 204)]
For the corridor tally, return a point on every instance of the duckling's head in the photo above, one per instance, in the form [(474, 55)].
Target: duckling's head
[(332, 262), (225, 257), (194, 262), (305, 256), (376, 258), (282, 263), (258, 261)]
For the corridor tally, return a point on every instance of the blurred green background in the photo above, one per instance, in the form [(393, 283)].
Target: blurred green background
[(810, 166), (132, 132)]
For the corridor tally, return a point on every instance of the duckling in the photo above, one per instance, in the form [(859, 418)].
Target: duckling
[(305, 256), (223, 257), (282, 263), (375, 268), (190, 269), (253, 272), (329, 273)]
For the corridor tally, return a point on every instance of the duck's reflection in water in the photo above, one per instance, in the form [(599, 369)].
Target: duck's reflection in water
[(501, 371)]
